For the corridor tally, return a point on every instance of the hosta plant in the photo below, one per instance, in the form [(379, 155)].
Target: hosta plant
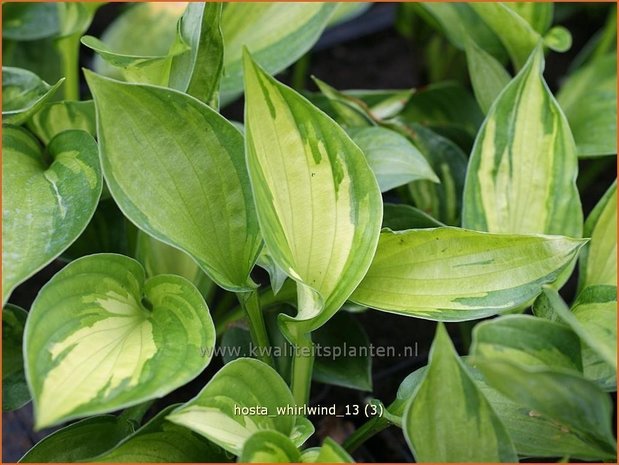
[(194, 261)]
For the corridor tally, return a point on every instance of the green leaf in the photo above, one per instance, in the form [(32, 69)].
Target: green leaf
[(276, 274), (449, 400), (197, 72), (29, 21), (420, 272), (145, 29), (212, 221), (80, 440), (56, 117), (528, 340), (46, 205), (14, 388), (399, 217), (317, 200), (217, 411), (159, 258), (598, 262), (589, 99), (444, 200), (593, 318), (488, 76), (533, 434), (537, 14), (152, 69), (348, 110), (392, 158), (566, 398), (331, 452), (516, 34), (345, 11), (23, 94), (160, 441), (144, 338), (522, 171), (342, 337), (269, 447), (276, 34), (558, 39)]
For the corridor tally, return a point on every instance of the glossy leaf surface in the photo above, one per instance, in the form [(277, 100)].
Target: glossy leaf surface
[(14, 388)]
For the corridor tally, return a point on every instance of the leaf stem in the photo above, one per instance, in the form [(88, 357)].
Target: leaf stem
[(299, 72), (69, 52), (302, 366), (368, 430), (251, 305)]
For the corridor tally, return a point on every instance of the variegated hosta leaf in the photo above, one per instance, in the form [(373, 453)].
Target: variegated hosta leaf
[(160, 441), (23, 94), (449, 400), (14, 388), (589, 100), (160, 258), (99, 315), (221, 411), (45, 206), (392, 158), (454, 274), (488, 76), (522, 171), (329, 452), (55, 117), (277, 34), (269, 447), (317, 200), (598, 262), (177, 170)]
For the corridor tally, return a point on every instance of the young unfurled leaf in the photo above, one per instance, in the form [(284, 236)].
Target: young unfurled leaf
[(598, 262), (593, 318), (317, 200), (488, 76), (14, 388), (399, 217), (393, 159), (269, 447), (522, 171), (160, 258), (537, 14), (46, 206), (55, 117), (589, 99), (143, 338), (454, 274), (528, 340), (221, 411), (197, 72), (449, 400), (276, 34), (160, 441), (23, 94), (442, 201), (177, 170), (80, 440), (566, 398)]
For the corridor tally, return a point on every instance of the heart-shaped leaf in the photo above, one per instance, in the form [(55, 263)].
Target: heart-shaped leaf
[(98, 314), (244, 397), (177, 170), (598, 262), (448, 399), (317, 200), (56, 117), (393, 159), (14, 388), (522, 171), (23, 94), (269, 447), (454, 274), (46, 206), (161, 441), (80, 440)]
